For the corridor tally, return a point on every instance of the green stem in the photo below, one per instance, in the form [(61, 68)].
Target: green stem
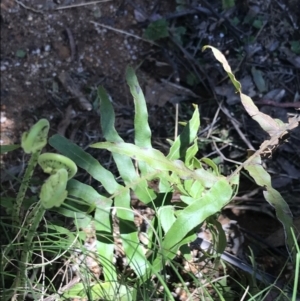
[(22, 285), (16, 220)]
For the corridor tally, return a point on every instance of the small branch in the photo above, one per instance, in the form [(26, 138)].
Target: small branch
[(273, 103)]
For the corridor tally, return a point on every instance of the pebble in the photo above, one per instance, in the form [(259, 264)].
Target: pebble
[(47, 48)]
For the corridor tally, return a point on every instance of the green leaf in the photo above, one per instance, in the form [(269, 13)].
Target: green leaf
[(109, 291), (192, 79), (273, 197), (20, 53), (190, 160), (129, 234), (128, 231), (226, 4), (196, 190), (124, 163), (8, 148), (258, 23), (259, 80), (85, 161), (211, 164), (81, 219), (192, 216), (107, 117), (295, 46), (178, 33), (84, 192), (158, 161), (184, 140), (166, 216), (102, 221), (157, 30), (142, 132)]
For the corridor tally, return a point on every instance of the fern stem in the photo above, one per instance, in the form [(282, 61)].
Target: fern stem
[(23, 188), (39, 212)]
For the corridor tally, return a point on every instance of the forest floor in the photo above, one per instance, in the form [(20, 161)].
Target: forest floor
[(55, 54)]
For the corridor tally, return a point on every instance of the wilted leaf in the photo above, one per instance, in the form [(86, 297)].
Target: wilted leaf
[(272, 196), (271, 126)]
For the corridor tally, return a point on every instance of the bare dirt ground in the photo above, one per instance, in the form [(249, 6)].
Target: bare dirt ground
[(54, 55)]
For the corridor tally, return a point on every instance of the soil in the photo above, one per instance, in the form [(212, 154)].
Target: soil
[(42, 40)]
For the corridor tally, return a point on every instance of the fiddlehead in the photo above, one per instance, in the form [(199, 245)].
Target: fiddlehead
[(32, 143), (53, 191), (51, 163), (36, 138)]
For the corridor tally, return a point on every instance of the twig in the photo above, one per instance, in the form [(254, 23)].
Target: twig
[(233, 29), (80, 4), (214, 121), (280, 105), (53, 297), (71, 43), (123, 32), (72, 88), (237, 127), (223, 157), (29, 8)]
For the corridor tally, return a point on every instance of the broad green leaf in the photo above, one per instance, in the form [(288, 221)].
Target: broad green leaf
[(85, 161), (183, 141), (166, 217), (83, 191), (124, 163), (187, 186), (190, 155), (196, 190), (188, 200), (272, 196), (142, 132), (221, 237), (157, 160), (129, 234), (81, 219), (8, 148), (211, 164), (102, 221), (107, 117), (106, 255), (192, 216)]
